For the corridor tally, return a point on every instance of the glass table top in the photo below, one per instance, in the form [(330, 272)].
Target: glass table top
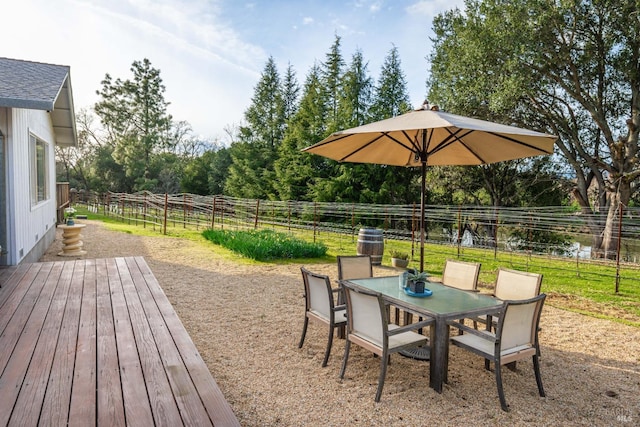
[(445, 300)]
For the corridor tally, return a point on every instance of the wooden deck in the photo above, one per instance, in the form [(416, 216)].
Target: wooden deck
[(96, 342)]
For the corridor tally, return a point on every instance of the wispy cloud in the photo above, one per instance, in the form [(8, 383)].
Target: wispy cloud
[(189, 26)]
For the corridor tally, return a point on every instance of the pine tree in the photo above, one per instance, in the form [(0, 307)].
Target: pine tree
[(332, 70), (290, 93), (252, 174), (134, 113), (391, 96), (295, 170), (357, 89)]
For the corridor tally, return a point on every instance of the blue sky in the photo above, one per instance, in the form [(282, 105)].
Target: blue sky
[(211, 52)]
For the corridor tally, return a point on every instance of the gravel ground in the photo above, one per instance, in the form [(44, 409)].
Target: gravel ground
[(246, 321)]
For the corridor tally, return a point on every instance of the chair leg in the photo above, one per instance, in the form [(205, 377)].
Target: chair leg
[(511, 366), (329, 344), (487, 364), (384, 360), (342, 332), (304, 331), (536, 369), (503, 401), (347, 346)]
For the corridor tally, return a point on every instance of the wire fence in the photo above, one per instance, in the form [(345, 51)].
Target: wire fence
[(558, 232)]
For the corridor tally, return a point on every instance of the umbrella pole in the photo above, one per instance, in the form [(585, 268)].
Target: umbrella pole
[(422, 209)]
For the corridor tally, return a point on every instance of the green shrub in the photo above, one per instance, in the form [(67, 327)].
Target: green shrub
[(399, 255), (265, 245)]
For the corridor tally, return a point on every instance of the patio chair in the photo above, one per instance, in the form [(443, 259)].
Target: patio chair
[(516, 338), (354, 267), (461, 275), (368, 327), (320, 307), (514, 285)]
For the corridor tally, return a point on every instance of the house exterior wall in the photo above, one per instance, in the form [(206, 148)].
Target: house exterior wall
[(30, 228)]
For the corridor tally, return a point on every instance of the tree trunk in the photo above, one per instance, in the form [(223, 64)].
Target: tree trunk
[(609, 248)]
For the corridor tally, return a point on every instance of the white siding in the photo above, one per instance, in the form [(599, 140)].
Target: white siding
[(30, 224)]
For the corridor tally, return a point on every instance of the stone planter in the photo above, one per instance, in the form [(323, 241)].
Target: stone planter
[(399, 262)]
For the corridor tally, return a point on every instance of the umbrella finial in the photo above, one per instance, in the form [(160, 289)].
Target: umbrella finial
[(424, 106)]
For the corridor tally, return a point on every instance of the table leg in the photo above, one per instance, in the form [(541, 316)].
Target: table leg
[(439, 355)]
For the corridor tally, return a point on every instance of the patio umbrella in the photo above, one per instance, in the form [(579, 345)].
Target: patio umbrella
[(429, 137)]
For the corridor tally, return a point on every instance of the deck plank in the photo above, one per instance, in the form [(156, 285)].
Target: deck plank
[(134, 392), (55, 408), (82, 407), (96, 342), (110, 404)]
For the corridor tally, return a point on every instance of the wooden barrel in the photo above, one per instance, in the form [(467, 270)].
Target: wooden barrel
[(371, 242)]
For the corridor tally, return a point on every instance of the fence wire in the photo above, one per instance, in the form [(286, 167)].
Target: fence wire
[(542, 230)]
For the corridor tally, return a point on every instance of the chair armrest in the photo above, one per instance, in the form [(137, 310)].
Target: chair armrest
[(410, 327), (467, 329)]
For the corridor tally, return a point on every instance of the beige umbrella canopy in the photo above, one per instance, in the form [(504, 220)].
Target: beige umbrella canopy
[(432, 138)]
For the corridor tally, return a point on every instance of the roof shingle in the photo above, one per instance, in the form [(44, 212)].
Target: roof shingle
[(31, 85)]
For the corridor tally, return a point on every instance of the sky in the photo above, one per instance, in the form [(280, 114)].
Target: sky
[(211, 53)]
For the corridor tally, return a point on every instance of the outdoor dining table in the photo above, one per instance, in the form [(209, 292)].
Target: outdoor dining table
[(443, 305)]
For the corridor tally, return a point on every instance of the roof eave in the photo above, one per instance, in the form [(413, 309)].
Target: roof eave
[(27, 104), (63, 116)]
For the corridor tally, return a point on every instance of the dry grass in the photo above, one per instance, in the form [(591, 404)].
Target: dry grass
[(246, 322)]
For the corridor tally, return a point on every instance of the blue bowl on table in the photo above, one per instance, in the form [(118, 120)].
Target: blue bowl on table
[(426, 293)]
